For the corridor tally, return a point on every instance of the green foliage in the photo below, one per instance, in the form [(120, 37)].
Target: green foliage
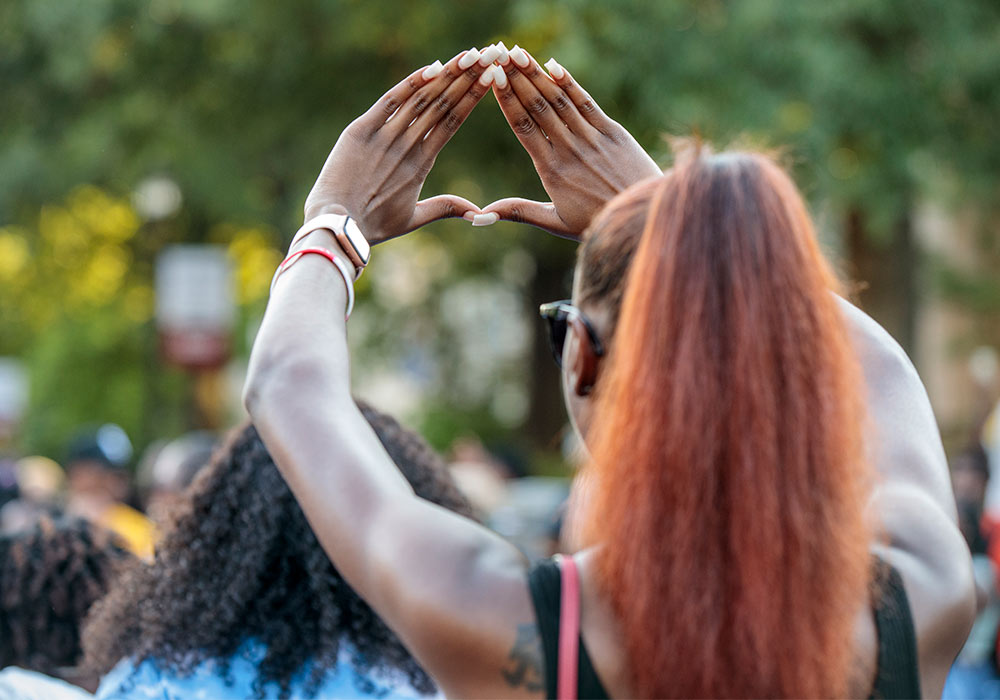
[(96, 370), (877, 103)]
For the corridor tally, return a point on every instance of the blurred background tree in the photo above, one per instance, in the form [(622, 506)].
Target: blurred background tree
[(887, 113)]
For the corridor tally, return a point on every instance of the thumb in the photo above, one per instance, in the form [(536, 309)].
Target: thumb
[(542, 215), (443, 206)]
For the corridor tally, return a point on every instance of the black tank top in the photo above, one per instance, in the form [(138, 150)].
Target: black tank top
[(897, 675)]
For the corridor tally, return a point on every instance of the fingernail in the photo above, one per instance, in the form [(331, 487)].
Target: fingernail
[(489, 55), (555, 70), (499, 77), (485, 219), (519, 57), (432, 70), (469, 215), (470, 57), (487, 77), (504, 58)]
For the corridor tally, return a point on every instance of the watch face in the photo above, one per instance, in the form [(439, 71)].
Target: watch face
[(357, 241)]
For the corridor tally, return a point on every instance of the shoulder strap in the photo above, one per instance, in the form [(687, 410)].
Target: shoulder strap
[(569, 629), (898, 672)]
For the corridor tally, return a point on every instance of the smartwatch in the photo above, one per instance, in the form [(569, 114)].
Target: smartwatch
[(347, 234)]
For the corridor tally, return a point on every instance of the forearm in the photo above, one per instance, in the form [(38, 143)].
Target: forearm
[(298, 395), (303, 330)]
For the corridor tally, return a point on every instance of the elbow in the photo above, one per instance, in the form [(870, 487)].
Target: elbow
[(963, 603), (957, 602), (263, 372), (251, 394), (283, 380)]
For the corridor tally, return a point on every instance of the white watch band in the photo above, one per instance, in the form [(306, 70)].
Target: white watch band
[(338, 223)]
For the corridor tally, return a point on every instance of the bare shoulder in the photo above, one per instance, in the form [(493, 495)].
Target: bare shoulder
[(601, 632)]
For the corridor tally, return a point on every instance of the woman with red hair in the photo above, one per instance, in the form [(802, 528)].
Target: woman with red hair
[(751, 530)]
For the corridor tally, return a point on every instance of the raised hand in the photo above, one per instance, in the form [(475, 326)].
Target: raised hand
[(583, 157), (379, 164)]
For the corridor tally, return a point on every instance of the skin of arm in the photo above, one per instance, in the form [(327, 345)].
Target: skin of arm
[(913, 502), (454, 592)]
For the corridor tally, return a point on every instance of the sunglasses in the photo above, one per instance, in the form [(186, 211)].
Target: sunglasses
[(558, 313)]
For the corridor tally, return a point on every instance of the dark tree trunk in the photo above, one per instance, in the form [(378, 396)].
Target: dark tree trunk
[(547, 416), (887, 275)]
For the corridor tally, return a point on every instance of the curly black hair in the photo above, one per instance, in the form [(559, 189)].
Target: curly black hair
[(50, 575), (241, 562)]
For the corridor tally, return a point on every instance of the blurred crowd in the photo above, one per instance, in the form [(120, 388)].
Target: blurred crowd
[(975, 473), (67, 530), (71, 531)]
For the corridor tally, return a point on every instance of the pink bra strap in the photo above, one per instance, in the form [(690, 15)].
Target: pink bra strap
[(569, 629)]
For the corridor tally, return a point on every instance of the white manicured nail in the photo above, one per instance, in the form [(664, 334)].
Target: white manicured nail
[(432, 70), (487, 77), (519, 57), (485, 219), (470, 57), (489, 55), (499, 77), (504, 58), (555, 70)]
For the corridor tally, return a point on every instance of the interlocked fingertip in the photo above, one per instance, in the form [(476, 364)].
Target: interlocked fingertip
[(499, 77), (432, 71), (489, 54), (519, 57), (504, 58), (489, 75), (470, 57), (485, 219), (555, 70)]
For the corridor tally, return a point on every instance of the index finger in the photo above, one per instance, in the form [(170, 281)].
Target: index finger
[(532, 83), (585, 104), (377, 115)]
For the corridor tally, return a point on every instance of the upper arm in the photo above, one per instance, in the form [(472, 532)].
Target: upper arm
[(904, 443), (913, 501), (924, 545), (456, 595), (452, 590)]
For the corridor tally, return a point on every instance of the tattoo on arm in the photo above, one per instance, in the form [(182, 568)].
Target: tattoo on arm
[(524, 666)]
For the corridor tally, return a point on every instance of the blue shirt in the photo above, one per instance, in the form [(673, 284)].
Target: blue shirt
[(149, 681)]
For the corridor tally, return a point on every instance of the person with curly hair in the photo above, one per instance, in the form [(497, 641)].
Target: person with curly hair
[(50, 575), (242, 601)]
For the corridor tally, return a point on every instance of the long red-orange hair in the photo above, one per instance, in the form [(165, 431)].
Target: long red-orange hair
[(727, 459)]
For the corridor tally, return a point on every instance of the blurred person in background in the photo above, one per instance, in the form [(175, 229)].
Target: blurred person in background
[(975, 674), (241, 600), (479, 474), (732, 551), (40, 488), (100, 486), (990, 438), (8, 481), (167, 468), (50, 576), (970, 477)]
